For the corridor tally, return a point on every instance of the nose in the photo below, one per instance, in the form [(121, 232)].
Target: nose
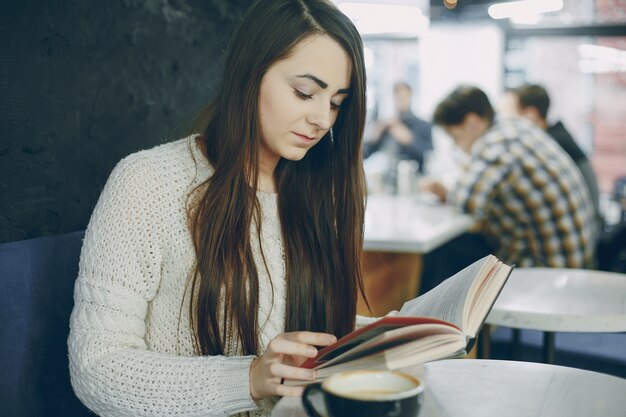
[(321, 116)]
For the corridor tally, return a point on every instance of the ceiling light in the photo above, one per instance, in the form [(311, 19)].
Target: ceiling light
[(524, 10)]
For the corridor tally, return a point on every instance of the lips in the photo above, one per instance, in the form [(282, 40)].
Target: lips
[(305, 137)]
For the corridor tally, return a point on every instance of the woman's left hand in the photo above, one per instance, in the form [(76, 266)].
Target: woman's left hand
[(281, 360)]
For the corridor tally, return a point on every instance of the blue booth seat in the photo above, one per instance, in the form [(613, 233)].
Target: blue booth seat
[(37, 281)]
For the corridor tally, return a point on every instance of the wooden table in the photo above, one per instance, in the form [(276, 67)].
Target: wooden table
[(479, 388), (398, 231), (561, 300)]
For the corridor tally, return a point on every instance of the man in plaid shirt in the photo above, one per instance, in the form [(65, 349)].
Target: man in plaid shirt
[(528, 198)]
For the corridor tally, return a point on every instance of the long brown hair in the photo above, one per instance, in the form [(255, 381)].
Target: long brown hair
[(320, 198)]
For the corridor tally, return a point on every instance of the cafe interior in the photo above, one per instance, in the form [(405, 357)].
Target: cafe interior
[(566, 325), (576, 51)]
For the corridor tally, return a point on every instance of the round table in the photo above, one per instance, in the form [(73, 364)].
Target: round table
[(561, 300), (479, 388)]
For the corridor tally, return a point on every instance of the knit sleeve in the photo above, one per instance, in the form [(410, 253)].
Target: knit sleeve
[(112, 370)]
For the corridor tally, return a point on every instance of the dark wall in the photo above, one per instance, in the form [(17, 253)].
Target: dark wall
[(84, 83)]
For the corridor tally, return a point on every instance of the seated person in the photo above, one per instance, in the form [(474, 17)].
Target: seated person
[(526, 195), (532, 102), (405, 137), (214, 265)]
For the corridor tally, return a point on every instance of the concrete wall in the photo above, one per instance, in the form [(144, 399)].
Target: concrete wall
[(84, 83)]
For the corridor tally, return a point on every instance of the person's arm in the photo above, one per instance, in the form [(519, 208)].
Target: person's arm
[(112, 369), (435, 187), (415, 137)]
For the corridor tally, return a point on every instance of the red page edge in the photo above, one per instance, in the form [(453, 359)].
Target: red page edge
[(387, 320)]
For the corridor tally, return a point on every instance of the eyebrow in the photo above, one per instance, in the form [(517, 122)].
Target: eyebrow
[(322, 84)]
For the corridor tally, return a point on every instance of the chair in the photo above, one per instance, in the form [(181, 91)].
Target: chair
[(37, 279), (611, 249)]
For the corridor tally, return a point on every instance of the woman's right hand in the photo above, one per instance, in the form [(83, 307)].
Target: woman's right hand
[(281, 360)]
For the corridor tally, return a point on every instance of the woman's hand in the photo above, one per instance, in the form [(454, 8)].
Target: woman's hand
[(282, 358)]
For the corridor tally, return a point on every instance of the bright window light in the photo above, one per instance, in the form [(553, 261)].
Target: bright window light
[(596, 59), (524, 10), (371, 18), (368, 57)]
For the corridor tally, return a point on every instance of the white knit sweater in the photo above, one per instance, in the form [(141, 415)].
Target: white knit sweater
[(130, 345), (131, 349)]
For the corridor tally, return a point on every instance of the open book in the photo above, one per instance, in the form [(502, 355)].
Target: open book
[(442, 323)]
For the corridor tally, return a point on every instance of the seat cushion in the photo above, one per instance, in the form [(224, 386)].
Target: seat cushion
[(37, 280)]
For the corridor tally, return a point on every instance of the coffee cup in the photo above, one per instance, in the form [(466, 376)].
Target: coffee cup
[(365, 394)]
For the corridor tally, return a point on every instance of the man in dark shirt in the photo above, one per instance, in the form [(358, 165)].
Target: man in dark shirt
[(405, 137), (532, 102)]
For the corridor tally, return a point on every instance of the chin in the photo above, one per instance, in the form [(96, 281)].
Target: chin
[(295, 156)]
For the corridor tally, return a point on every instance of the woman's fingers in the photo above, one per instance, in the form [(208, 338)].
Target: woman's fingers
[(266, 377), (281, 370), (287, 347), (299, 344), (311, 338), (278, 360), (288, 391)]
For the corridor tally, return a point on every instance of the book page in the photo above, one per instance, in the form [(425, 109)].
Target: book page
[(392, 338), (370, 332), (446, 301), (356, 341), (486, 297), (422, 350)]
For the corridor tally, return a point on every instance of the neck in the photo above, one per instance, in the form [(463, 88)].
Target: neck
[(266, 175)]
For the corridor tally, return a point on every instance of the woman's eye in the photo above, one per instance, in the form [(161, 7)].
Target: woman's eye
[(302, 95)]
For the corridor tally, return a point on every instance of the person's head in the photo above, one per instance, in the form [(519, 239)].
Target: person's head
[(402, 94), (300, 97), (532, 102), (294, 71), (465, 114), (277, 46)]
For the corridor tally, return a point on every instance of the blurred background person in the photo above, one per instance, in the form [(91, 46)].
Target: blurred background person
[(403, 137), (526, 196), (532, 102)]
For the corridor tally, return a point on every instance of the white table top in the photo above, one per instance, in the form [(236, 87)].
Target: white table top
[(479, 388), (411, 224), (566, 300)]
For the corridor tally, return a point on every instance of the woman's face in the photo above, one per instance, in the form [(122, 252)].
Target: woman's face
[(300, 97)]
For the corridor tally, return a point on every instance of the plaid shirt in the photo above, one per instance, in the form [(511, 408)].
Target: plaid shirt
[(528, 198)]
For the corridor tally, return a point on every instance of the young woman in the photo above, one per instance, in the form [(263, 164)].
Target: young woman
[(214, 265)]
